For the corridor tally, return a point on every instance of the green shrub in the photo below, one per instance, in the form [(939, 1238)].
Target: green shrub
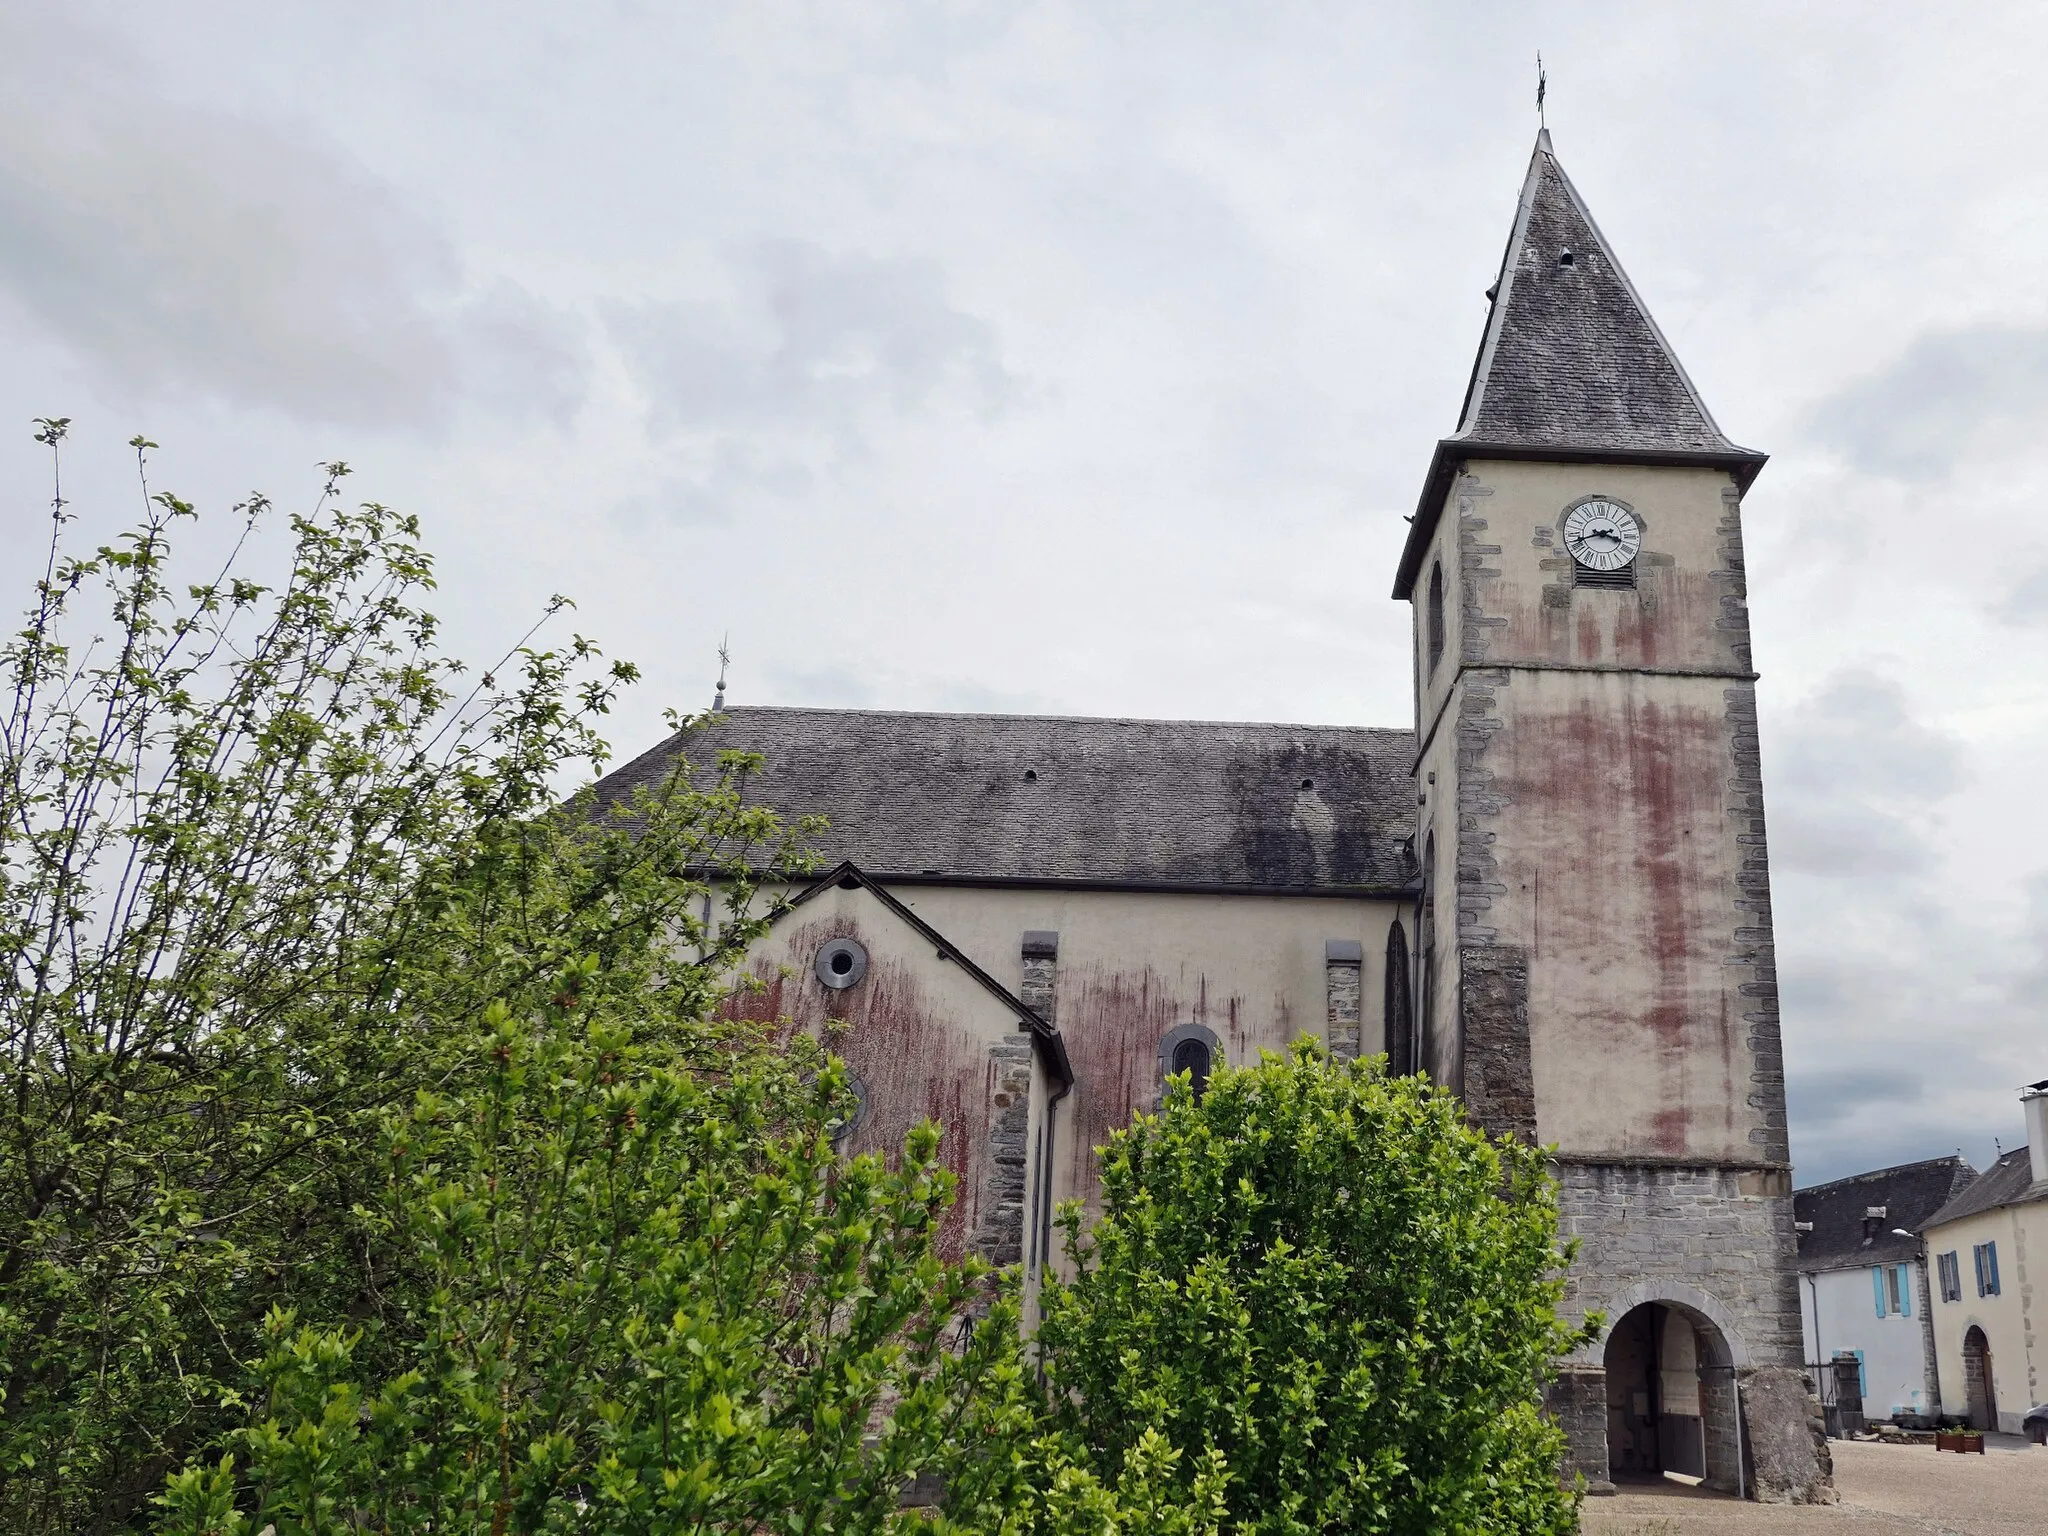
[(1332, 1298)]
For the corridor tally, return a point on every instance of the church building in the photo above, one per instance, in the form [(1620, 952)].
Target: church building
[(1550, 892)]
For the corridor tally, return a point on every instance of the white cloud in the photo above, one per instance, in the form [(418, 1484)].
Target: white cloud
[(1086, 358), (183, 250)]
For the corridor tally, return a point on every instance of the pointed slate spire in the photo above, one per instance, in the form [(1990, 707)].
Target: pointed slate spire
[(1571, 358), (1571, 367)]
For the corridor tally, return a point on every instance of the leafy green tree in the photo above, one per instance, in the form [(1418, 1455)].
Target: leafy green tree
[(657, 1302), (1329, 1296), (268, 860)]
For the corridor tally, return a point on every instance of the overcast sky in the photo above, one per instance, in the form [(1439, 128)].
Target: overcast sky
[(1083, 358)]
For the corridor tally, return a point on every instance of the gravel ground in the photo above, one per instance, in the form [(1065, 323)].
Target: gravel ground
[(1884, 1489)]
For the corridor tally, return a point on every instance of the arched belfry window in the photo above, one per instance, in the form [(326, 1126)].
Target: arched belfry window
[(1193, 1049), (1399, 1014), (1434, 615)]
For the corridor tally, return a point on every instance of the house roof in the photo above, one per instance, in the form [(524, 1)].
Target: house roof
[(1045, 1038), (1058, 800), (1909, 1193), (1571, 366), (2009, 1181)]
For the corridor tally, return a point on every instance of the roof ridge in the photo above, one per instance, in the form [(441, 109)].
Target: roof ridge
[(970, 714), (1876, 1173)]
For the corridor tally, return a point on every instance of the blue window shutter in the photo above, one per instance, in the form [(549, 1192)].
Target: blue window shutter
[(1991, 1263), (1877, 1285), (1905, 1290)]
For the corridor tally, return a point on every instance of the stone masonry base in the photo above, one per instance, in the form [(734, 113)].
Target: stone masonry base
[(1715, 1245)]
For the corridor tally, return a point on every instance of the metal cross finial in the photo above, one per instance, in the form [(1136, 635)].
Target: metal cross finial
[(724, 660), (1542, 89)]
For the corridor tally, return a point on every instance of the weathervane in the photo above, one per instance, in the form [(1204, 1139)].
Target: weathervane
[(1542, 89), (724, 660)]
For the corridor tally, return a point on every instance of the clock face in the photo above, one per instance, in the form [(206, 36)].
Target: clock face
[(1602, 536)]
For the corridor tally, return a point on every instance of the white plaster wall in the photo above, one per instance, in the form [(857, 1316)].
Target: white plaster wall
[(1838, 1311), (1133, 965), (2008, 1319), (918, 1030)]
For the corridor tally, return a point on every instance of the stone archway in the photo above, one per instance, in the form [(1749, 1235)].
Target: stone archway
[(1980, 1392), (1671, 1395)]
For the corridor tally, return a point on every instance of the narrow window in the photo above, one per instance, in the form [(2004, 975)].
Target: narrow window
[(1877, 1287), (1436, 615), (1895, 1279), (1397, 1015), (1986, 1257), (1192, 1057), (1951, 1276)]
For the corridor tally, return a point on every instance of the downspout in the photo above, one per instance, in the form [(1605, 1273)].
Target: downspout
[(1052, 1139), (1820, 1354), (1052, 1121)]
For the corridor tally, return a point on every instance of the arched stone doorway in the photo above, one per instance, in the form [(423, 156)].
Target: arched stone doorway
[(1979, 1392), (1671, 1404)]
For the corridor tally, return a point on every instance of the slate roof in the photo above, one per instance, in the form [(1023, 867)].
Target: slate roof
[(2009, 1181), (1571, 366), (1910, 1193), (1179, 804)]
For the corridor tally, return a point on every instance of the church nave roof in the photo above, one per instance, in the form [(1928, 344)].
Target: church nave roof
[(1030, 799)]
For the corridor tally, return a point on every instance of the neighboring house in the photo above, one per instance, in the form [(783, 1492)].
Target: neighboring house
[(1985, 1310), (1863, 1287), (1549, 889)]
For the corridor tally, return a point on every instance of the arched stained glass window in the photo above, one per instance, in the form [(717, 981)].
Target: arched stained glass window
[(1399, 1015), (1435, 615)]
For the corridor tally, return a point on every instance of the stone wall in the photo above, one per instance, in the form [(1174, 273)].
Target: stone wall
[(999, 1232), (1638, 1225), (1500, 1087)]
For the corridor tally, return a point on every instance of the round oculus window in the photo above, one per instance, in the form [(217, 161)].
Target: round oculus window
[(841, 963)]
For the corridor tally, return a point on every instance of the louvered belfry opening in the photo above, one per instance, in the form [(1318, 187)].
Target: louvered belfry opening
[(1621, 579)]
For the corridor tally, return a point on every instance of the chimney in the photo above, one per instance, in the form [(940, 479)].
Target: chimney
[(2036, 1101)]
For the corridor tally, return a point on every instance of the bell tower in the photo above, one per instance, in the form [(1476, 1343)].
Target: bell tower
[(1595, 961)]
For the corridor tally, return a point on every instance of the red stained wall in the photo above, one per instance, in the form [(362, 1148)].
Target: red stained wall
[(917, 1058)]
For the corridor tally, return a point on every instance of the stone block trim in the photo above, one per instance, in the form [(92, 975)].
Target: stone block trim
[(1039, 989), (1754, 954), (1732, 577), (1343, 972), (1500, 1086), (1576, 1398), (1475, 625), (1480, 800), (998, 1234)]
